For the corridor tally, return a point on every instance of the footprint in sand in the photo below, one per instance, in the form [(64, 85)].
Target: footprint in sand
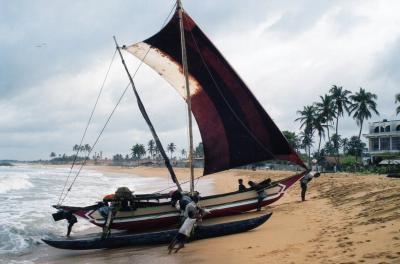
[(369, 256), (391, 256)]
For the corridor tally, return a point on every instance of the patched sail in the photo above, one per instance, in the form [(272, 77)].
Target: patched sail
[(234, 127)]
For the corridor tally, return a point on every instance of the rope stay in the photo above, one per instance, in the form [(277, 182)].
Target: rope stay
[(86, 128), (95, 142), (62, 198)]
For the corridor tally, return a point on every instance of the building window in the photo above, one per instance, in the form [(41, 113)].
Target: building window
[(374, 143), (398, 128), (395, 143), (382, 129), (387, 129), (385, 143), (377, 129)]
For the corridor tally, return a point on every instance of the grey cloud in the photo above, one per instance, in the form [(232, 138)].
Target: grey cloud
[(48, 104), (388, 63)]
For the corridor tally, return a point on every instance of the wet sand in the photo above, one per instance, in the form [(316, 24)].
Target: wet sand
[(347, 218)]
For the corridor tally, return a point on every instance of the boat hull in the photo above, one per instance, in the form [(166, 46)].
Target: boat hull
[(94, 241), (159, 215)]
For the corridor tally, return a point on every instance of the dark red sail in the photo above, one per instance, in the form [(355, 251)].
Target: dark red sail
[(234, 127)]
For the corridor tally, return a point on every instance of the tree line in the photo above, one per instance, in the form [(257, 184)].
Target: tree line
[(138, 151), (322, 118)]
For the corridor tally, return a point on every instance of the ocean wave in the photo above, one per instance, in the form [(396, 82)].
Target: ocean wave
[(15, 240), (14, 182)]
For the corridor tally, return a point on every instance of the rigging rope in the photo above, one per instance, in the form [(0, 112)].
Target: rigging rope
[(61, 200), (175, 186), (95, 142), (87, 126)]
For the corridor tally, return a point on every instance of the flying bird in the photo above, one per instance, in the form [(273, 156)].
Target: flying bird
[(41, 45)]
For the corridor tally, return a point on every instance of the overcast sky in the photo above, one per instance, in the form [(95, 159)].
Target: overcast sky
[(54, 56)]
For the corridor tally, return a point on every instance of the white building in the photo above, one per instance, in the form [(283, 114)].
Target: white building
[(384, 137)]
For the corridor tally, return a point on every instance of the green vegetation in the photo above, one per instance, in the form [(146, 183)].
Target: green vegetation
[(318, 118)]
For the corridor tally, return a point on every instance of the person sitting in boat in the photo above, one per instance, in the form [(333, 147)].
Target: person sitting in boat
[(124, 199), (242, 188), (265, 183), (254, 185)]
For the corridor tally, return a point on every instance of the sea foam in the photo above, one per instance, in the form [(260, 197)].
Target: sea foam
[(14, 181)]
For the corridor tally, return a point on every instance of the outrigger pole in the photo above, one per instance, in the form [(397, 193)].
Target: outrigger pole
[(147, 119), (188, 99)]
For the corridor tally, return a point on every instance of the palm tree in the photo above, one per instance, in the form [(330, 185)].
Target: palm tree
[(156, 152), (307, 142), (171, 148), (397, 100), (138, 151), (82, 148), (344, 143), (293, 139), (362, 104), (307, 117), (76, 147), (87, 148), (141, 151), (151, 147), (183, 153), (341, 102), (326, 111), (319, 126)]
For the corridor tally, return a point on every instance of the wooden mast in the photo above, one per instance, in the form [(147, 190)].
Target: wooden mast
[(188, 99), (147, 119)]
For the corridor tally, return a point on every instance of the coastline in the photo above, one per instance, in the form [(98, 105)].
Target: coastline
[(347, 218)]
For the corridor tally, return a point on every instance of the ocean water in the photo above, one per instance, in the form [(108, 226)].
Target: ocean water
[(27, 193)]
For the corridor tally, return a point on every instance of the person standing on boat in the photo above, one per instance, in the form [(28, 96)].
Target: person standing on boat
[(305, 180)]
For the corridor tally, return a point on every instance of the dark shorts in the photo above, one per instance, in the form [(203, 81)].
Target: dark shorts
[(180, 238)]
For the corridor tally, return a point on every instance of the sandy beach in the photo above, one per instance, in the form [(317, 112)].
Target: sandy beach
[(347, 218)]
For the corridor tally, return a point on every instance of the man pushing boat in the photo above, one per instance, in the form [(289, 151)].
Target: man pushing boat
[(191, 212)]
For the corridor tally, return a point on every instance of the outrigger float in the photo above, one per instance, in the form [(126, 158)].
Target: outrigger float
[(125, 239)]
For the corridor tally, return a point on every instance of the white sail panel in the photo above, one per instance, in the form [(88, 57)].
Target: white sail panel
[(168, 68)]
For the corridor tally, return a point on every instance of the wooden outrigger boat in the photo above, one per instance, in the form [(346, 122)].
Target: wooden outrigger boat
[(234, 127), (147, 215)]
